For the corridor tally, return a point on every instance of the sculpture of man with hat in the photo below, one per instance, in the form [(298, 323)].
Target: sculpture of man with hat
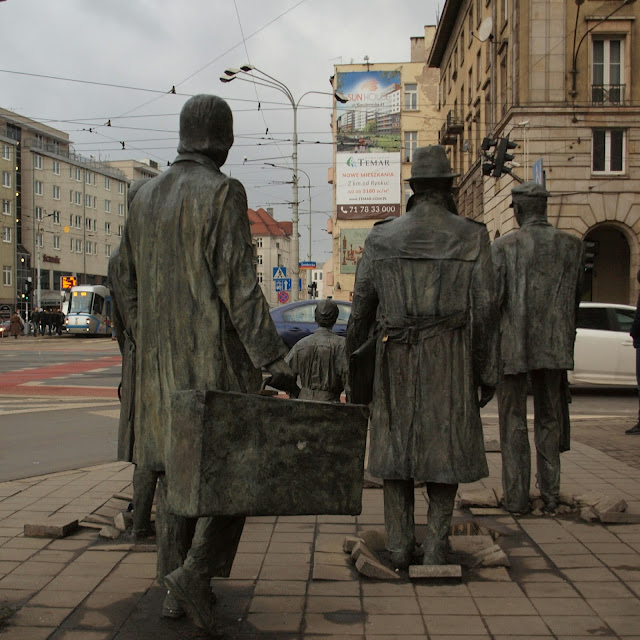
[(539, 276), (425, 286)]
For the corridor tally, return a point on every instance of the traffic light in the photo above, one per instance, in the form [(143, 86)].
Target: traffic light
[(590, 253), (26, 288), (312, 289), (485, 147), (502, 156)]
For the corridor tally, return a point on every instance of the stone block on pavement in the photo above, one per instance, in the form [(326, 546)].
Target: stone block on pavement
[(111, 533), (590, 499), (610, 504), (620, 517), (362, 549), (373, 569), (375, 539), (492, 446), (127, 497), (493, 557), (350, 542), (434, 571), (96, 519), (588, 514), (50, 528), (478, 498), (469, 544), (123, 520)]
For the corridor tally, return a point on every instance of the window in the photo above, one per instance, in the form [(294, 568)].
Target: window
[(259, 258), (410, 97), (120, 230), (120, 209), (56, 167), (121, 188), (462, 47), (503, 82), (77, 222), (410, 144), (107, 206), (95, 202), (6, 234), (593, 318), (470, 23), (107, 183), (608, 151), (624, 319), (88, 247), (56, 242), (38, 212), (6, 276), (478, 65), (78, 198), (87, 177), (260, 277), (6, 152), (478, 12), (87, 200), (107, 228), (608, 71), (70, 195), (87, 224), (37, 161), (6, 207), (259, 243), (78, 246), (107, 250), (470, 93), (95, 224), (56, 217), (6, 179), (78, 174), (38, 187), (39, 239), (56, 192)]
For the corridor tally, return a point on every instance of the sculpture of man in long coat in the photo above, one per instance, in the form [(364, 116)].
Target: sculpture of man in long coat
[(199, 321), (425, 284), (539, 277)]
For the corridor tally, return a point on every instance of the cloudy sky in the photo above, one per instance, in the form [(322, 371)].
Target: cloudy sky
[(146, 47)]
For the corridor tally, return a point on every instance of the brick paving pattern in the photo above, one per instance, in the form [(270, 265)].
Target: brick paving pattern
[(568, 579)]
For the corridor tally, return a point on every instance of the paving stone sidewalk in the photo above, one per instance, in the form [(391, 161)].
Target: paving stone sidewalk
[(568, 579)]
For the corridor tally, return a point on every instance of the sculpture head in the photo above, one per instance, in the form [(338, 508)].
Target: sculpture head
[(529, 202), (206, 127), (326, 313), (431, 170)]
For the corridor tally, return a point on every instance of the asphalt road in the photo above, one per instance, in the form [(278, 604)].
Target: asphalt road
[(59, 407)]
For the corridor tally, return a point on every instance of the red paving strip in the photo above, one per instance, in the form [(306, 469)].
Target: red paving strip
[(14, 382)]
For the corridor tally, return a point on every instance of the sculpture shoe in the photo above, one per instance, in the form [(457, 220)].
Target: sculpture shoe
[(171, 608), (193, 593)]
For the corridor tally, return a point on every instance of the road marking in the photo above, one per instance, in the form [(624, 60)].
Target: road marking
[(107, 413), (62, 407)]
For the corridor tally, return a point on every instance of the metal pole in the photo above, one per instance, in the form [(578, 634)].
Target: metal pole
[(309, 255), (295, 254)]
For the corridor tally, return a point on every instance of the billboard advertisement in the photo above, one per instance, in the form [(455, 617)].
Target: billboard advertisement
[(368, 157), (351, 248)]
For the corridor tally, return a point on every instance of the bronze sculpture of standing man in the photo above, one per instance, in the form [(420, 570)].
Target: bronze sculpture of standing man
[(425, 285), (188, 288), (539, 279)]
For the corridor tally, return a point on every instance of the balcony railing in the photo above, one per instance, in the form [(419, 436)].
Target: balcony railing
[(452, 127), (607, 94)]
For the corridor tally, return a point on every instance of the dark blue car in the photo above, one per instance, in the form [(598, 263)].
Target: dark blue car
[(296, 320)]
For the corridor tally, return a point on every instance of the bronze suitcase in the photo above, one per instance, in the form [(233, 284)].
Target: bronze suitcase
[(245, 454)]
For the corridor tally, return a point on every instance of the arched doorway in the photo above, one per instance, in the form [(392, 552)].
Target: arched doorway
[(608, 279)]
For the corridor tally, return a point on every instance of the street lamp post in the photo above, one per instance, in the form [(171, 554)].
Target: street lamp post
[(266, 80)]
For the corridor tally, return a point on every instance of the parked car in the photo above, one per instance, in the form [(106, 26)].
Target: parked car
[(296, 320), (604, 352), (5, 328)]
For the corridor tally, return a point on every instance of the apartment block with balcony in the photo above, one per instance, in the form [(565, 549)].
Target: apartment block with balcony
[(392, 110), (65, 212), (555, 76)]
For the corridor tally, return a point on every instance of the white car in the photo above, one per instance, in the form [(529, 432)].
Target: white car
[(604, 352)]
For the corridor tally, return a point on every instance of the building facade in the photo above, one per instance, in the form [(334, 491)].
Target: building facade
[(62, 214), (272, 246), (554, 76), (391, 110), (136, 169)]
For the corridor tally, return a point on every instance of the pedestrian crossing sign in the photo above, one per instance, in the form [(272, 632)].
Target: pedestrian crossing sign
[(279, 273)]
